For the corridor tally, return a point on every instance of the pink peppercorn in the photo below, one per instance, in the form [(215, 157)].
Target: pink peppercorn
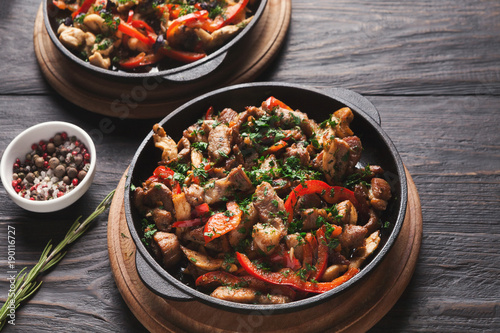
[(74, 181)]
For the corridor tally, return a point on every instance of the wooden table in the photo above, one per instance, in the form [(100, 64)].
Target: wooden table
[(432, 68)]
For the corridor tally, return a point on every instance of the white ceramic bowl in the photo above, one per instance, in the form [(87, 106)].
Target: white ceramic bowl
[(21, 145)]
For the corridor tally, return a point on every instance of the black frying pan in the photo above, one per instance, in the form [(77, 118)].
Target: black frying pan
[(378, 150), (182, 73)]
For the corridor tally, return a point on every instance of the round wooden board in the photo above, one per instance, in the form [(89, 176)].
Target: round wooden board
[(355, 310), (156, 98)]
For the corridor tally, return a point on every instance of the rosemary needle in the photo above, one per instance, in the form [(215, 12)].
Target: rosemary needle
[(25, 283)]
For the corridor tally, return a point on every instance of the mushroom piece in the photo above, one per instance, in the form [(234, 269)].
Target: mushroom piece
[(220, 36), (370, 244), (182, 207), (239, 295), (95, 23), (206, 262), (137, 45), (333, 272), (165, 143), (98, 60), (71, 37)]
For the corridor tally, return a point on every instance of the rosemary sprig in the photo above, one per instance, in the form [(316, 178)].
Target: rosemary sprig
[(25, 284)]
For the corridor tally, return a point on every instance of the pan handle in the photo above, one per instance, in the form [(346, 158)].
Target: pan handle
[(157, 284), (197, 72), (358, 102)]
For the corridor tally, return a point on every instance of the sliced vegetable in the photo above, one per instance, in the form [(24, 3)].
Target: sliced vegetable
[(133, 62), (221, 223), (322, 259), (209, 114), (191, 20), (229, 16), (285, 258), (140, 24), (331, 194), (130, 16), (272, 102), (202, 210), (190, 223), (182, 56), (83, 8), (287, 277), (276, 147), (133, 32), (221, 278)]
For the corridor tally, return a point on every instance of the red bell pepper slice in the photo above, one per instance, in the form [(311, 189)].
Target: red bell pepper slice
[(322, 260), (84, 8), (129, 30), (331, 194), (164, 172), (189, 223), (130, 16), (133, 62), (222, 223), (182, 56), (285, 258), (173, 10), (166, 176), (209, 114), (231, 13), (140, 24), (218, 278), (191, 20), (202, 210), (141, 59), (289, 278), (276, 147), (272, 102)]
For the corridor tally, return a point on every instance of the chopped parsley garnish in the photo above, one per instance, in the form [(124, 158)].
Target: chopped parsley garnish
[(149, 231), (357, 178), (201, 146)]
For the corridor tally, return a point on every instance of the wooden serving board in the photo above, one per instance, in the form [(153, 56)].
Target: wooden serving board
[(355, 310), (155, 99)]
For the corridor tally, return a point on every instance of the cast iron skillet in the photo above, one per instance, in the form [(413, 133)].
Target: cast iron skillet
[(182, 73), (378, 149)]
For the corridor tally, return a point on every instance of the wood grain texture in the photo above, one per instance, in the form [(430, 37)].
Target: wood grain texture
[(430, 67)]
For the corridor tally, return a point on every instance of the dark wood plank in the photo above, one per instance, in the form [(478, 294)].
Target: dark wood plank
[(394, 48), (449, 144), (19, 70)]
